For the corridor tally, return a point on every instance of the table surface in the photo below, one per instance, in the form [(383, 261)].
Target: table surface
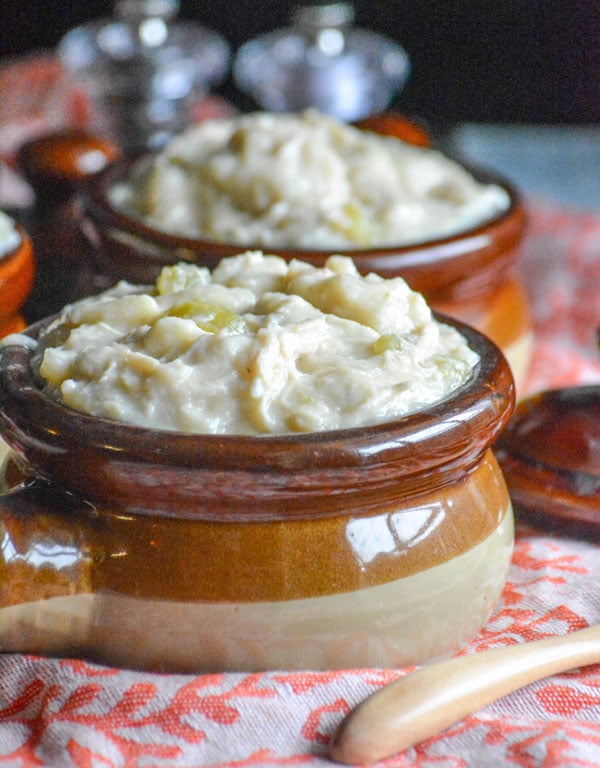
[(71, 713), (557, 163)]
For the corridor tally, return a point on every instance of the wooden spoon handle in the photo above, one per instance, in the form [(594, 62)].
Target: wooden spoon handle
[(427, 701)]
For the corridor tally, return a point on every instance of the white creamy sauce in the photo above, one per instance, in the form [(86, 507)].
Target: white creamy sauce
[(305, 181), (9, 237), (258, 346)]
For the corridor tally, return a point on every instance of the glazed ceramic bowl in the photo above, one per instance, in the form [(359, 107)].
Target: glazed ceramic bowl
[(471, 276), (17, 270), (385, 545)]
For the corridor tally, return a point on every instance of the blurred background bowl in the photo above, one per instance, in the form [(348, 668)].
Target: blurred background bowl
[(472, 276)]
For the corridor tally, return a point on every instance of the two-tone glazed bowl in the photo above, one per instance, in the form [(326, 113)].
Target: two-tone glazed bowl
[(384, 545)]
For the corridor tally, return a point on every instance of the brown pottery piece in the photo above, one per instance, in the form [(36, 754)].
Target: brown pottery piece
[(55, 165), (550, 454)]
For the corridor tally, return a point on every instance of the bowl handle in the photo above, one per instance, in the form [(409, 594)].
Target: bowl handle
[(42, 551), (394, 124)]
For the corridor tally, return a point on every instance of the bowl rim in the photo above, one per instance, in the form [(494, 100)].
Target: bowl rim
[(96, 203), (487, 398)]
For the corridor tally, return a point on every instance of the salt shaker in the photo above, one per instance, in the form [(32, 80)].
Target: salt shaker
[(143, 70)]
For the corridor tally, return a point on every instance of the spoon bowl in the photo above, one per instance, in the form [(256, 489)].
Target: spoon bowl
[(427, 701)]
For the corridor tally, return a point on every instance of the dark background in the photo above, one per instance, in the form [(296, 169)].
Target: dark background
[(534, 61)]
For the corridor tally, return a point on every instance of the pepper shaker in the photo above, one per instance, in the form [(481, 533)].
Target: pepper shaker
[(323, 61)]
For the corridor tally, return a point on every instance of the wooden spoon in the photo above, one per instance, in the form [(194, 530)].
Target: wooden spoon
[(427, 701)]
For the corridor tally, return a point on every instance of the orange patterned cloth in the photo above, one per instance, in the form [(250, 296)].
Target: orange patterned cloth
[(560, 267), (72, 713)]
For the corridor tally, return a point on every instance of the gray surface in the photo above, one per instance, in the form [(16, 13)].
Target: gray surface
[(556, 163)]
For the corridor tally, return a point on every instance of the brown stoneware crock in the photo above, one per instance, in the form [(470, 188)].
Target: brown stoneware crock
[(385, 545)]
